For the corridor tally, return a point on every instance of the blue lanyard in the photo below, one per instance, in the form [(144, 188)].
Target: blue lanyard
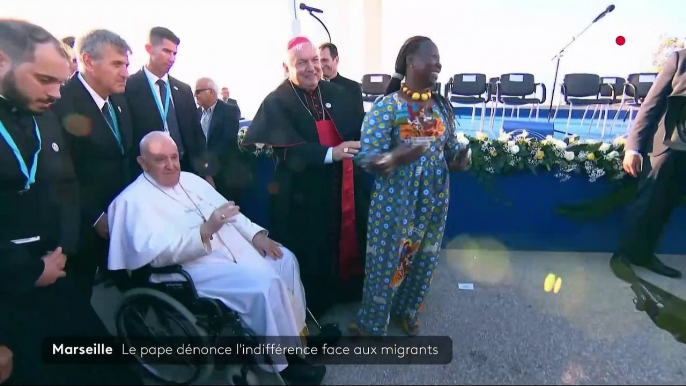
[(30, 176), (163, 112), (115, 129)]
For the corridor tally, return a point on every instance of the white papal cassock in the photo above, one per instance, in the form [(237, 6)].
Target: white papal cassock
[(151, 224)]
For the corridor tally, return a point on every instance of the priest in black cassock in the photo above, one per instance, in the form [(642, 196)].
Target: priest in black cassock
[(319, 202), (39, 215)]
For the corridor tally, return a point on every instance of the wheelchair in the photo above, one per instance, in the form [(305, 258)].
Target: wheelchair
[(202, 320)]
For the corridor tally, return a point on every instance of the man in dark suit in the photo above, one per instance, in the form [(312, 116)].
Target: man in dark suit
[(661, 172), (69, 47), (328, 56), (97, 124), (219, 123), (230, 101), (161, 102), (39, 215)]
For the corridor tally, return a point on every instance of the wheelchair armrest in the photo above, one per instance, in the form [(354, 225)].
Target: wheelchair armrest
[(176, 268), (171, 269)]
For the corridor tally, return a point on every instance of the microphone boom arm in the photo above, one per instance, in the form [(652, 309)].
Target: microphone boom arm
[(323, 25), (559, 56)]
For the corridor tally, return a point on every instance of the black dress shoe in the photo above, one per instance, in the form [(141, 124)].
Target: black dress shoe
[(299, 372), (657, 266)]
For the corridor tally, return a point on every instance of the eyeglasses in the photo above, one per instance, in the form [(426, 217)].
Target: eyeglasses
[(199, 91)]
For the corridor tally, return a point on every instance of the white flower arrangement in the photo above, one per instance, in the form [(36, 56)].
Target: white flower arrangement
[(507, 154)]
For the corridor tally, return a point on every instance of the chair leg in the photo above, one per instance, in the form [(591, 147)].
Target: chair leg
[(531, 112), (607, 111), (473, 114), (491, 119), (590, 124), (600, 113), (631, 118), (538, 106), (584, 116), (483, 117), (557, 108), (518, 108), (502, 121), (569, 117), (619, 111)]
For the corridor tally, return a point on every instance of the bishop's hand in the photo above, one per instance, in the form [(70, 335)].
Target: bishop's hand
[(222, 215), (346, 150)]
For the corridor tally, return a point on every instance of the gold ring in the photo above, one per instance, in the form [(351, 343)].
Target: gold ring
[(345, 150)]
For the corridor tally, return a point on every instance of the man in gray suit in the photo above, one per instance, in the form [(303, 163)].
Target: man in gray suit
[(661, 172)]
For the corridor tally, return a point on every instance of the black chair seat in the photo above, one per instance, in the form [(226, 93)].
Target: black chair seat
[(516, 101), (466, 100), (589, 102), (370, 98)]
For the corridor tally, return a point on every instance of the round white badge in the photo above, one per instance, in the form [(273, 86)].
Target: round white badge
[(328, 105), (55, 147)]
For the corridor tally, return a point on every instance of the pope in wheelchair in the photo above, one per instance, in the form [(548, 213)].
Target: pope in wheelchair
[(168, 218)]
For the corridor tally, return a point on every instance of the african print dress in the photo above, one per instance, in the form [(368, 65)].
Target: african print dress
[(408, 211)]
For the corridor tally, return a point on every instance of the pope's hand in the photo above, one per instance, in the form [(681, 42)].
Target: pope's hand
[(218, 218), (267, 246)]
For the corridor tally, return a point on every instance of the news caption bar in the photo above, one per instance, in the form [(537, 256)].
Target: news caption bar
[(419, 350)]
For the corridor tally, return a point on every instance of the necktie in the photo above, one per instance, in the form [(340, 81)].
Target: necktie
[(172, 123), (106, 113), (206, 123)]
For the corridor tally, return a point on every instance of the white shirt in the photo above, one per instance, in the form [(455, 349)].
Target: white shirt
[(96, 97), (206, 118), (153, 79)]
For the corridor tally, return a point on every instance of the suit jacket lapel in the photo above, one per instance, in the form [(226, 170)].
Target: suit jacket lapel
[(142, 87), (215, 121), (176, 97), (123, 120), (86, 105)]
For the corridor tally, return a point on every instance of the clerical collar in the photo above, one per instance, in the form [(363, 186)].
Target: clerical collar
[(96, 97), (154, 78), (158, 186), (297, 87)]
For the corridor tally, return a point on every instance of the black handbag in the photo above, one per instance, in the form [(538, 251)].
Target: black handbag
[(675, 122)]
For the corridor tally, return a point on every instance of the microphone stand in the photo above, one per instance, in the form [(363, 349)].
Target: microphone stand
[(557, 67), (323, 25)]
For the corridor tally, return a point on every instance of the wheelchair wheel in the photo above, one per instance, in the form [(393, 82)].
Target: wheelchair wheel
[(132, 320)]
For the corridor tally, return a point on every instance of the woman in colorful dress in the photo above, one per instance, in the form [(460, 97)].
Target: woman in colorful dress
[(409, 141)]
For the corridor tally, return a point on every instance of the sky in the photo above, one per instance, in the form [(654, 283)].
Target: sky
[(241, 44)]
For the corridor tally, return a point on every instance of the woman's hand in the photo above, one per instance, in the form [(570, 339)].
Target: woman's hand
[(402, 155), (462, 160), (406, 154), (383, 164)]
